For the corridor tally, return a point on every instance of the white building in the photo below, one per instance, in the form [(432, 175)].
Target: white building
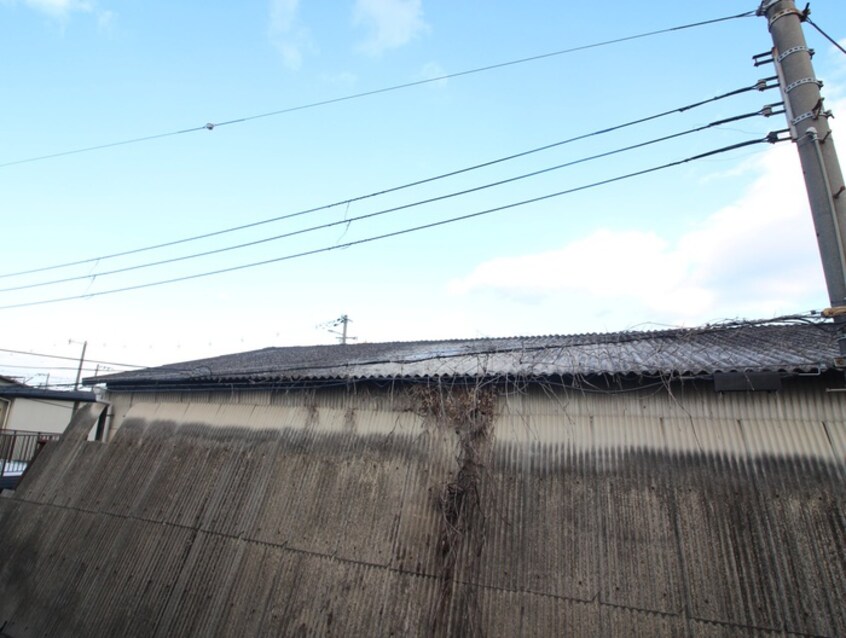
[(28, 409)]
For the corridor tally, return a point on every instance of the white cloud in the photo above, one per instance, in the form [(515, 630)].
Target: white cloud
[(431, 71), (392, 23), (282, 13), (289, 38), (61, 11), (59, 8), (835, 87), (344, 79), (754, 258), (106, 21)]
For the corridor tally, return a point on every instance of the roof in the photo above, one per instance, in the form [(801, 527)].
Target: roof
[(787, 348), (28, 392)]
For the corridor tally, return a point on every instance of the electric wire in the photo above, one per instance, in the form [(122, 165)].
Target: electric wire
[(824, 34), (760, 85), (770, 138), (56, 356), (44, 367), (211, 126), (767, 111)]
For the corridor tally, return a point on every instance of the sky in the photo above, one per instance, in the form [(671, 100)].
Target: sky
[(725, 237)]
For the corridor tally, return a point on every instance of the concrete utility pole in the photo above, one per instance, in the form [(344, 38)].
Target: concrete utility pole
[(342, 337), (344, 320), (79, 370), (808, 122)]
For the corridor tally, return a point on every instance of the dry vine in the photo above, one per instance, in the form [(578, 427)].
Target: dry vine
[(468, 411)]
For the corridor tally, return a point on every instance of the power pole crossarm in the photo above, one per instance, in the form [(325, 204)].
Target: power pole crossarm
[(808, 122)]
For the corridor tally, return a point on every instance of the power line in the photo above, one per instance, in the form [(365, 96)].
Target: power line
[(770, 138), (824, 34), (760, 85), (56, 356), (766, 111), (44, 367), (212, 125)]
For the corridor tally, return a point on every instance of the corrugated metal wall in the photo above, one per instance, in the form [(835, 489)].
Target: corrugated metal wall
[(322, 513)]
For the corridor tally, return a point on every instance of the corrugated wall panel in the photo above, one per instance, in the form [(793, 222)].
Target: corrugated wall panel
[(698, 515), (246, 610), (701, 629), (690, 399), (686, 401), (639, 539)]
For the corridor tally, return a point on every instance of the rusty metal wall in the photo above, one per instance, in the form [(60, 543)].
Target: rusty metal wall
[(643, 513)]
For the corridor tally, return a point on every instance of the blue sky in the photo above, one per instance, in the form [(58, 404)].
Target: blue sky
[(725, 237)]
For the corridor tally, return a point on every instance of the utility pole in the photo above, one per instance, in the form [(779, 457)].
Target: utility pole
[(343, 321), (808, 122), (79, 369)]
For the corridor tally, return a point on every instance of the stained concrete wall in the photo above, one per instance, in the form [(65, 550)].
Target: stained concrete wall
[(653, 514)]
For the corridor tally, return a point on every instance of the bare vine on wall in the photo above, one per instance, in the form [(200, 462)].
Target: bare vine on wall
[(469, 411)]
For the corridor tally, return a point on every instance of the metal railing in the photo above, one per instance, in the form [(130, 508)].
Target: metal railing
[(18, 448)]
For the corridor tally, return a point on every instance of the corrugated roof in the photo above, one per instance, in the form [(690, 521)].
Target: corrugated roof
[(790, 348)]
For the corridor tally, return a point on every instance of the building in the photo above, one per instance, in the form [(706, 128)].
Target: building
[(29, 409), (29, 417), (679, 482)]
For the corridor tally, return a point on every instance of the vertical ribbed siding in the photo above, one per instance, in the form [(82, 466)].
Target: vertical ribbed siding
[(637, 514)]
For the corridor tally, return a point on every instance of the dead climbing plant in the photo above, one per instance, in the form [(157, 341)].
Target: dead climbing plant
[(469, 411)]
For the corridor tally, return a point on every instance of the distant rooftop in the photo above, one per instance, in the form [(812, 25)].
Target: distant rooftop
[(21, 391), (741, 347)]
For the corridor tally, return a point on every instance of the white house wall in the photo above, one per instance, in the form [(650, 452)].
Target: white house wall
[(39, 415)]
